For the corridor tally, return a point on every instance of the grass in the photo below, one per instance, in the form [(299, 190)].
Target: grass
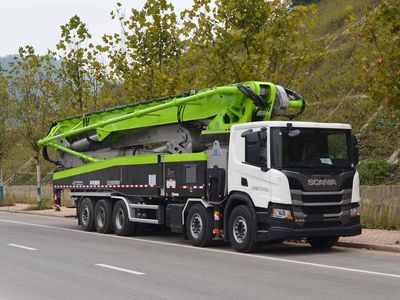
[(379, 216), (6, 203), (46, 204)]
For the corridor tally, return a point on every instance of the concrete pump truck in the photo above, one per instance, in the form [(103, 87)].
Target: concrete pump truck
[(212, 165)]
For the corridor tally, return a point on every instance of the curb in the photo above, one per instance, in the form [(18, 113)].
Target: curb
[(27, 212), (394, 249)]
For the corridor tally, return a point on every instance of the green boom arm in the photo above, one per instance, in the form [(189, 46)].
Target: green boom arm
[(223, 106)]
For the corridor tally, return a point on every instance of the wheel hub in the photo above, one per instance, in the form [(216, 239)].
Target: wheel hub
[(240, 229), (85, 215), (196, 225), (120, 219), (101, 217)]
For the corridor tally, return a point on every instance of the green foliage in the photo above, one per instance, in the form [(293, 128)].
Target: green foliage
[(34, 95), (81, 73), (146, 56), (303, 2), (3, 117), (382, 215), (380, 60), (46, 204), (374, 171), (337, 16), (242, 40)]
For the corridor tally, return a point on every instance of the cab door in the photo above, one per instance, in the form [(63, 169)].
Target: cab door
[(249, 165)]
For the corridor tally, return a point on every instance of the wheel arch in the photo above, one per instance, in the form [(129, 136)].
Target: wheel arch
[(236, 199), (189, 203)]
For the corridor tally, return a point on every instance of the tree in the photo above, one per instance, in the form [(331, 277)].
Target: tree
[(145, 56), (3, 132), (380, 57), (304, 2), (254, 39), (3, 116), (34, 99), (81, 73)]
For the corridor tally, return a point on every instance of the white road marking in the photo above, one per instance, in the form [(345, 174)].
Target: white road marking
[(120, 269), (270, 258), (22, 247)]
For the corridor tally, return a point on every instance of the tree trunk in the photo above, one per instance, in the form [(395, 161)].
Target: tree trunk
[(38, 183)]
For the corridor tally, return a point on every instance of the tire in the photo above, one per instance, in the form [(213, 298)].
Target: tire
[(120, 220), (199, 226), (322, 242), (241, 230), (86, 214), (103, 213)]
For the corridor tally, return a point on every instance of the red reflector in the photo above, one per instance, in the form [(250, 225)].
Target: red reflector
[(217, 231)]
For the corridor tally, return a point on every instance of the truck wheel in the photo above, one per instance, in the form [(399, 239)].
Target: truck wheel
[(122, 225), (241, 230), (86, 214), (199, 226), (103, 216), (322, 242)]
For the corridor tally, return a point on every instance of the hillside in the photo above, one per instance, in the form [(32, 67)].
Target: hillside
[(331, 86), (332, 92)]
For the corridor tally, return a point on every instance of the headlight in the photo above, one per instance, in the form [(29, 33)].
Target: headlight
[(280, 213), (354, 212)]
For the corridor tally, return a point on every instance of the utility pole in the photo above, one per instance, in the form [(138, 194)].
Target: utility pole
[(38, 183), (1, 186)]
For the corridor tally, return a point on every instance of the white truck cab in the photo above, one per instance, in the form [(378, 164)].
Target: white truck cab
[(299, 176)]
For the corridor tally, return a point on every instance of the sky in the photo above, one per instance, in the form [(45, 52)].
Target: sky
[(37, 22)]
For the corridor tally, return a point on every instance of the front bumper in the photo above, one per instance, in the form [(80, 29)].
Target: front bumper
[(280, 230)]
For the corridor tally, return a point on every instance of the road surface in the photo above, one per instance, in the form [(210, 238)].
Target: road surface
[(52, 258)]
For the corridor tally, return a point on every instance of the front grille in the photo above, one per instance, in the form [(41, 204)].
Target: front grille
[(324, 209), (322, 224), (321, 198), (321, 210)]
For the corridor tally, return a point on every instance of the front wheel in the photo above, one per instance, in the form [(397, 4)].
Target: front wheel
[(322, 242), (122, 225), (241, 230)]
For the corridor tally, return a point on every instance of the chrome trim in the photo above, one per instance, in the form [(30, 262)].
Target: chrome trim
[(299, 192), (126, 203), (206, 205), (91, 194), (147, 221), (301, 203), (338, 215), (145, 206)]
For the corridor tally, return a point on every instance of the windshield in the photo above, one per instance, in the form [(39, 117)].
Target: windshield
[(311, 148)]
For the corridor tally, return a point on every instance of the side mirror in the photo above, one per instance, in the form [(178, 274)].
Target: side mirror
[(354, 142)]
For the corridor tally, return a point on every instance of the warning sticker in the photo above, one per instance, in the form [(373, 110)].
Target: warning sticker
[(171, 183), (152, 179)]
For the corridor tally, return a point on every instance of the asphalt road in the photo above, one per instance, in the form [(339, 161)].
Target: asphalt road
[(52, 258)]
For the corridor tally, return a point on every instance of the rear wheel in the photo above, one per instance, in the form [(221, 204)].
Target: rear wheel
[(122, 225), (103, 212), (322, 242), (199, 226), (241, 230), (86, 214)]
